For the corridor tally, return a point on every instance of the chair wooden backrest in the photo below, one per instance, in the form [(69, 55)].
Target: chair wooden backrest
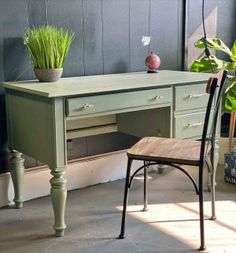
[(213, 82)]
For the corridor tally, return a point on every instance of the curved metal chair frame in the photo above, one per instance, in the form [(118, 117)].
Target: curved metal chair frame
[(204, 158)]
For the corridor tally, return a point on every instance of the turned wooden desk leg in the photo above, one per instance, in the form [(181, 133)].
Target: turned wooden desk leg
[(58, 196), (17, 171)]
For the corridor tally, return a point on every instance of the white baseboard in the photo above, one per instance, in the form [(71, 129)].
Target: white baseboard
[(80, 173), (6, 189)]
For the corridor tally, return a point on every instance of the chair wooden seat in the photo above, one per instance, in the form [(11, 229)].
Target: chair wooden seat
[(178, 151)]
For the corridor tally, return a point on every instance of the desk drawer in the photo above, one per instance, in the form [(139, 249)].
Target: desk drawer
[(189, 125), (190, 97), (119, 101)]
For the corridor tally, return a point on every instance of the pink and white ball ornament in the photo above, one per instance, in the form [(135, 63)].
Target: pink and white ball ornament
[(153, 62)]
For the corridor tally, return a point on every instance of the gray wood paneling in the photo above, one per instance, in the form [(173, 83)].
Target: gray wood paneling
[(116, 36), (226, 21), (13, 23), (165, 30), (14, 61), (220, 21), (3, 136), (69, 15), (36, 12), (225, 16), (139, 26), (92, 37)]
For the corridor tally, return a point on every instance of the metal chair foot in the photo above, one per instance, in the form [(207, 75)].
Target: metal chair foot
[(145, 209), (121, 236), (202, 248), (213, 217)]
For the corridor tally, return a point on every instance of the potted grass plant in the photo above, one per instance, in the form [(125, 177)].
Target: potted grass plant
[(48, 47)]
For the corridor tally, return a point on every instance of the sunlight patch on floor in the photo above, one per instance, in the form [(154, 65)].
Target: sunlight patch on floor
[(181, 221)]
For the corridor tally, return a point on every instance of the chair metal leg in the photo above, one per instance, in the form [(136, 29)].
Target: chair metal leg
[(201, 209), (213, 192), (213, 196), (145, 201), (125, 200), (213, 184)]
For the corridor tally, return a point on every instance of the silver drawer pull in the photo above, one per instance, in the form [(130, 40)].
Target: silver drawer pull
[(195, 124), (158, 97), (88, 106), (197, 95)]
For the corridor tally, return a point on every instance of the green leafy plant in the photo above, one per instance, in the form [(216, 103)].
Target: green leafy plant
[(213, 64), (48, 46)]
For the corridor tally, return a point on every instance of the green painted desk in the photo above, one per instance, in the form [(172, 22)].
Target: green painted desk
[(42, 116)]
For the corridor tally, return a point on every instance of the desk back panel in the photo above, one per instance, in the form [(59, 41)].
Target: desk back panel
[(152, 122)]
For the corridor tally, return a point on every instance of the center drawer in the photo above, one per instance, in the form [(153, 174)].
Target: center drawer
[(81, 106)]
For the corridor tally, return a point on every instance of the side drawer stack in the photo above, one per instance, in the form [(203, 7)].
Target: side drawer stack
[(189, 110)]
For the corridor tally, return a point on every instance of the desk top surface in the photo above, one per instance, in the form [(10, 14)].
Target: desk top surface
[(98, 84)]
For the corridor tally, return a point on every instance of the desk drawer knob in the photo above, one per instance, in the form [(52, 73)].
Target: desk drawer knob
[(158, 97), (88, 106), (197, 124), (197, 95)]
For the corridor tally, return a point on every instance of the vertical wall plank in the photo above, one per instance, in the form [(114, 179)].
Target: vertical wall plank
[(92, 37), (3, 136), (36, 12), (13, 23), (14, 61), (139, 26), (69, 15), (219, 21), (226, 21), (225, 10), (166, 28), (116, 36)]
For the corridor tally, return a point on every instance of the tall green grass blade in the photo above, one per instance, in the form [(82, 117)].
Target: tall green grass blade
[(48, 46)]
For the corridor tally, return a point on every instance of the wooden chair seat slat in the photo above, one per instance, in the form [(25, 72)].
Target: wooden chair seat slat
[(180, 151)]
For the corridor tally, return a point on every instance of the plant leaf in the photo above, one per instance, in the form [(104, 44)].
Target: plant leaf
[(48, 46), (233, 50), (206, 64), (230, 96), (213, 43)]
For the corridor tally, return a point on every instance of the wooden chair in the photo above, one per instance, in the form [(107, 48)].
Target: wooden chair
[(176, 152)]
